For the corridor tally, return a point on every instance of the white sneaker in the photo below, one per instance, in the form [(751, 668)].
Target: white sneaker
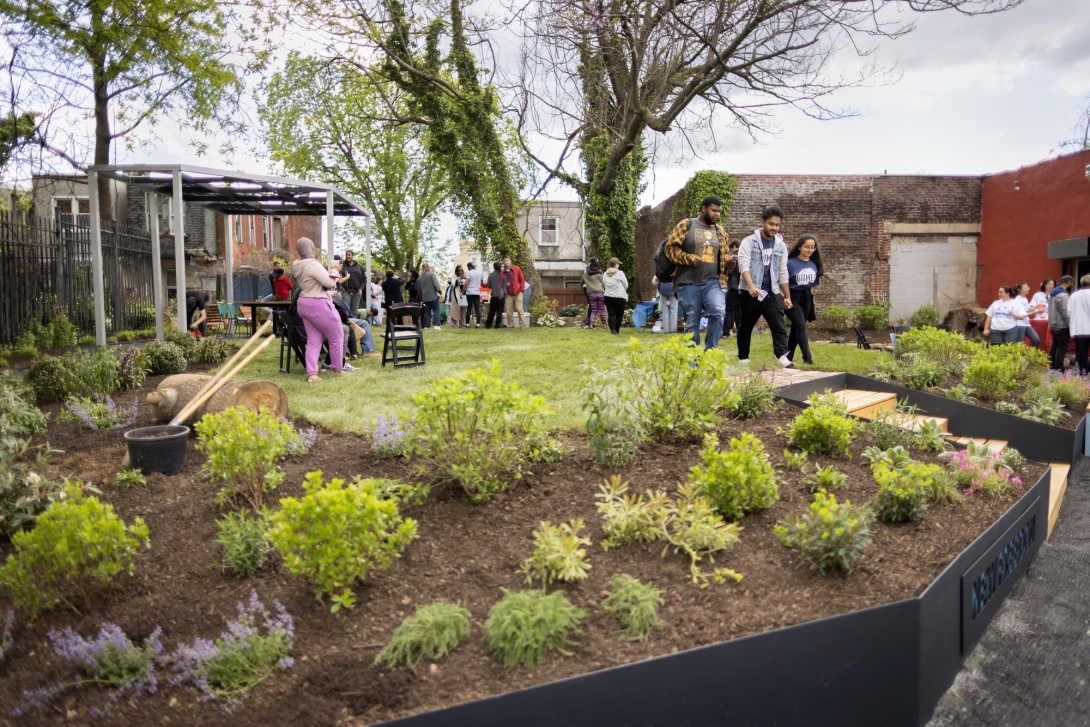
[(743, 360), (438, 328), (785, 362)]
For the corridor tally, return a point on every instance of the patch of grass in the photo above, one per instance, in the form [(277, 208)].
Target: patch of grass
[(431, 633)]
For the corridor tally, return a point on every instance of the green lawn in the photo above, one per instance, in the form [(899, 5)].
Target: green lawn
[(544, 361)]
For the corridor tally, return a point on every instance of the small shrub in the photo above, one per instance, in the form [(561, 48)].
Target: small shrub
[(996, 371), (822, 429), (961, 393), (874, 317), (692, 526), (635, 605), (795, 461), (182, 339), (836, 318), (629, 518), (826, 478), (828, 535), (1012, 458), (79, 373), (211, 350), (526, 625), (981, 471), (253, 647), (132, 367), (388, 438), (243, 448), (102, 413), (541, 447), (1071, 389), (885, 369), (1006, 407), (1044, 406), (77, 540), (941, 488), (919, 372), (86, 341), (18, 415), (572, 310), (129, 478), (753, 396), (164, 357), (888, 430), (944, 348), (26, 486), (244, 541), (894, 456), (431, 633), (738, 480), (559, 554), (929, 437), (472, 427), (616, 427), (27, 350), (925, 315), (337, 533), (903, 491)]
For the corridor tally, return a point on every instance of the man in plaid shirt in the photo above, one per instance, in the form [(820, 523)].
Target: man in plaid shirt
[(698, 247)]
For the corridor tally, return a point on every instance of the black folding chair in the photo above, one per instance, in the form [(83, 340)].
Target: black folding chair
[(293, 340), (860, 339), (398, 334)]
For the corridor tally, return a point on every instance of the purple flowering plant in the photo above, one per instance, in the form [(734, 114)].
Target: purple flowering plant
[(102, 413), (389, 437), (982, 473), (255, 646)]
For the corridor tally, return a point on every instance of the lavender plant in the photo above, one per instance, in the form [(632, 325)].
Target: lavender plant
[(102, 413), (254, 647), (307, 438), (388, 438)]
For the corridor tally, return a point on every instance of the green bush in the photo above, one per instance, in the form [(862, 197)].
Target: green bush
[(822, 428), (559, 554), (132, 367), (826, 478), (125, 336), (944, 348), (753, 396), (630, 518), (125, 479), (903, 491), (828, 535), (615, 425), (472, 428), (920, 372), (526, 625), (243, 448), (57, 333), (164, 357), (210, 350), (888, 430), (874, 317), (925, 315), (26, 486), (182, 339), (18, 415), (1071, 389), (836, 318), (795, 460), (738, 480), (79, 373), (573, 310), (635, 605), (337, 533), (77, 540), (244, 541), (431, 633), (994, 371)]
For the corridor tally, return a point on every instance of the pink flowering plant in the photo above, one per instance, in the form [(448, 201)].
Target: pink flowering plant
[(982, 473)]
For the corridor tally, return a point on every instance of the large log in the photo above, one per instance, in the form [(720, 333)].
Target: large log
[(176, 391)]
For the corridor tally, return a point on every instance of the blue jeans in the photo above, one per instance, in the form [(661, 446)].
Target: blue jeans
[(708, 301), (368, 342), (431, 313)]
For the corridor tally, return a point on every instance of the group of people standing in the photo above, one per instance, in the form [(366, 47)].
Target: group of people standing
[(1067, 311), (607, 294)]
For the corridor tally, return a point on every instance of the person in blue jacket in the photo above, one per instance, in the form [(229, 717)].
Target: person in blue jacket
[(804, 271)]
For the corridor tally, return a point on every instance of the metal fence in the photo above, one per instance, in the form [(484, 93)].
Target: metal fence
[(45, 266)]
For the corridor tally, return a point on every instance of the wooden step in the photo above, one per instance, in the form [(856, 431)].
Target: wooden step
[(1057, 486), (995, 446), (866, 404)]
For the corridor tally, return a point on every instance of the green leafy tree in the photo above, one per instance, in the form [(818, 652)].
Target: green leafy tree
[(328, 120)]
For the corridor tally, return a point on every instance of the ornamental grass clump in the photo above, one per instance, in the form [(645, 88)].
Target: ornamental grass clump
[(337, 533), (903, 491), (559, 554), (125, 479), (753, 396), (471, 429), (243, 449), (828, 535), (738, 480), (822, 428), (255, 646), (431, 633), (244, 541), (77, 541), (525, 626), (635, 605)]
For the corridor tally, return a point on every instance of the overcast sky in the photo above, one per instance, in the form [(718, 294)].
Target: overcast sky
[(973, 95)]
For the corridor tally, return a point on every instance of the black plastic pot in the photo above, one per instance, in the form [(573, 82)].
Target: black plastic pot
[(158, 449)]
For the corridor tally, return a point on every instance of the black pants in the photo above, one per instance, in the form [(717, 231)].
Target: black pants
[(615, 310), (797, 337), (431, 313), (771, 309), (1082, 349), (474, 306), (1058, 350), (734, 314), (495, 312)]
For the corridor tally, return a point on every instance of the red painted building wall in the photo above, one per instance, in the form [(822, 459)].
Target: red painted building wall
[(1050, 202)]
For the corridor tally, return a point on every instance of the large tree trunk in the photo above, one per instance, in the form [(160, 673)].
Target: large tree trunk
[(176, 391)]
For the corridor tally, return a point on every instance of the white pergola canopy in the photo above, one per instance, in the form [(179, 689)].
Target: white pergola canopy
[(229, 193)]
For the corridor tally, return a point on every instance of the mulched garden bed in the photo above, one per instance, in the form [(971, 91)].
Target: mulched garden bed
[(466, 553)]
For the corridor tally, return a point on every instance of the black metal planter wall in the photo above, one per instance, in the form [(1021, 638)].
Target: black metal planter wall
[(881, 666)]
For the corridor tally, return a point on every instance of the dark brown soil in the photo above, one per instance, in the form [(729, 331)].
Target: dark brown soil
[(465, 552)]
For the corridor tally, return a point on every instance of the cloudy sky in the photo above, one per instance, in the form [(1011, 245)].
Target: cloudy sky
[(972, 95)]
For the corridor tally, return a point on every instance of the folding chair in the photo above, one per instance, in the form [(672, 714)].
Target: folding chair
[(234, 317), (861, 340), (397, 333)]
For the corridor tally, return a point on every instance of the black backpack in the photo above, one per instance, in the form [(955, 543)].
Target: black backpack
[(665, 269)]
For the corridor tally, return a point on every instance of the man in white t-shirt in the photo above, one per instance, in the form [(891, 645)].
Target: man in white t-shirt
[(473, 293), (1078, 308)]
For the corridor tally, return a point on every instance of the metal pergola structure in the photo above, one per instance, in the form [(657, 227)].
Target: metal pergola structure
[(229, 193)]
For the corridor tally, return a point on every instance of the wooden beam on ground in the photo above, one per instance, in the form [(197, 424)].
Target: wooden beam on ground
[(1056, 489)]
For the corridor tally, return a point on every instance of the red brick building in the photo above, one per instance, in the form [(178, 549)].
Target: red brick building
[(258, 237)]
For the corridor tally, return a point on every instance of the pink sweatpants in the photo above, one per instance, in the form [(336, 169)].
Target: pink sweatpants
[(597, 308), (322, 322)]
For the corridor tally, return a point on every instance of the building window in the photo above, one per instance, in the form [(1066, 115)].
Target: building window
[(73, 210), (238, 230), (265, 232), (253, 231), (550, 233)]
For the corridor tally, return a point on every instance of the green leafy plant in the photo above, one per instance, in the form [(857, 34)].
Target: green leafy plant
[(941, 488), (615, 425), (1006, 407), (628, 518), (691, 525), (18, 415), (1012, 458), (874, 317), (753, 396), (929, 437), (243, 448), (828, 535), (210, 350), (77, 540), (129, 478), (925, 315), (1071, 389), (27, 350), (894, 456), (543, 447), (132, 367), (961, 393), (525, 626), (559, 554), (826, 478), (472, 428), (822, 428), (836, 318), (164, 357), (948, 350), (337, 533), (888, 429), (573, 310), (795, 461), (245, 542), (920, 372), (635, 605), (1044, 408), (996, 371), (903, 491), (431, 633), (737, 480), (26, 486), (79, 373)]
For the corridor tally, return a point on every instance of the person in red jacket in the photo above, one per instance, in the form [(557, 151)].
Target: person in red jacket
[(513, 283), (282, 285)]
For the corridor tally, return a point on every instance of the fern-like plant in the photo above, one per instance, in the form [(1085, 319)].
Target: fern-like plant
[(559, 554), (431, 633), (635, 605), (525, 626)]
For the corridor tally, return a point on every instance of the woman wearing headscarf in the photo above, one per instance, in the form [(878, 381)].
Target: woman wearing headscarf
[(315, 306)]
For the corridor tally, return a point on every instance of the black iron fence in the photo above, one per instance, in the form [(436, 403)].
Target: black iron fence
[(45, 266)]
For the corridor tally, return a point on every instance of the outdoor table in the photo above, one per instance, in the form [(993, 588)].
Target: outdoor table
[(255, 304)]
